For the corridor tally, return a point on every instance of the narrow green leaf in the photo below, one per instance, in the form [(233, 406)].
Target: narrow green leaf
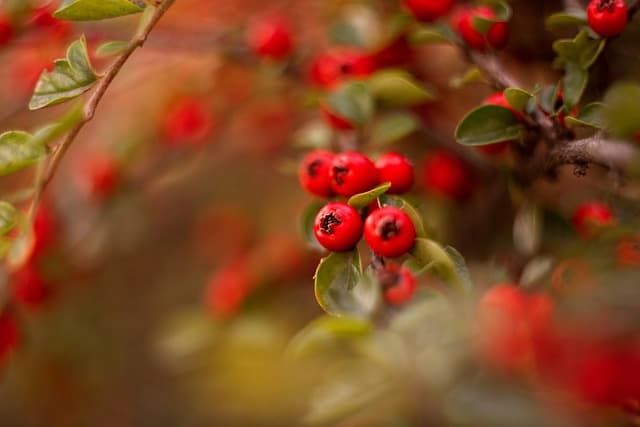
[(70, 78), (591, 115), (472, 75), (393, 128), (430, 253), (352, 101), (488, 124), (399, 88), (325, 331), (569, 18), (8, 217), (111, 48), (17, 151), (363, 200), (517, 98), (92, 10), (548, 98)]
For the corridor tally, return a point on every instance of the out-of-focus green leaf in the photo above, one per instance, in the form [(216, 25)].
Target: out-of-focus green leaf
[(92, 10), (394, 127), (399, 88), (548, 98), (430, 253), (569, 18), (18, 151), (591, 115), (327, 330), (363, 200), (622, 111), (352, 101), (8, 217), (488, 124), (115, 47), (315, 134), (435, 33), (307, 218), (517, 98), (70, 78), (472, 75)]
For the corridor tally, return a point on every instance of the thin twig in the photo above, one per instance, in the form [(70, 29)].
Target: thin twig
[(94, 101)]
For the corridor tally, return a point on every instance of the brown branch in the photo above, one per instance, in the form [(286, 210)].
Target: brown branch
[(93, 102), (597, 150)]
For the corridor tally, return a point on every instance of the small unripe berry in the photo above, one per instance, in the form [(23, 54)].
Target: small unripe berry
[(338, 227), (352, 173), (592, 217), (496, 36), (334, 120), (6, 29), (337, 65), (314, 173), (428, 10), (446, 175), (389, 232), (607, 17), (402, 287), (396, 169), (270, 37)]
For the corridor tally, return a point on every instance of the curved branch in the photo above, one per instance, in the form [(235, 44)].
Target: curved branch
[(93, 102), (608, 153)]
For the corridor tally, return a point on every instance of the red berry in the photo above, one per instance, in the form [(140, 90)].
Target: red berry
[(352, 173), (270, 37), (6, 29), (396, 169), (429, 10), (628, 252), (338, 227), (29, 288), (446, 175), (591, 217), (334, 120), (45, 230), (9, 335), (496, 36), (314, 173), (228, 288), (101, 176), (187, 122), (403, 285), (395, 53), (337, 65), (389, 232), (42, 17), (607, 17)]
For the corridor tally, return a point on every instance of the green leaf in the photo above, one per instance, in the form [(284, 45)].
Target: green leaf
[(341, 288), (502, 12), (353, 102), (548, 98), (582, 50), (569, 18), (517, 98), (622, 112), (70, 78), (410, 210), (462, 271), (111, 48), (574, 83), (591, 115), (307, 218), (436, 33), (92, 10), (394, 127), (325, 331), (430, 253), (399, 88), (488, 124), (8, 217), (17, 151), (363, 200), (472, 75)]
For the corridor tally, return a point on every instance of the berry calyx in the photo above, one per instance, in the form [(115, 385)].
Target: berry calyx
[(340, 64), (496, 37), (352, 173), (402, 284), (338, 227), (592, 217), (444, 174), (389, 232), (396, 169), (428, 10), (270, 37), (607, 17), (314, 173)]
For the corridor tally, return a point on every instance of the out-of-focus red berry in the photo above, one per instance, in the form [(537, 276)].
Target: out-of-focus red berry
[(429, 10), (628, 252), (592, 217), (6, 29), (228, 288), (42, 18), (607, 18), (100, 176), (496, 36), (46, 230), (444, 174), (187, 122), (396, 169), (334, 120), (9, 335), (404, 286), (29, 288), (395, 53), (337, 65), (270, 37)]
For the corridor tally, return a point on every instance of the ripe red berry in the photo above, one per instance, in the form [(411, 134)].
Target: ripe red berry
[(389, 232), (29, 288), (100, 176), (403, 285), (187, 122), (446, 175), (337, 65), (314, 173), (270, 37), (496, 36), (6, 29), (352, 173), (338, 227), (334, 120), (396, 169), (592, 217), (9, 335), (429, 10), (607, 17)]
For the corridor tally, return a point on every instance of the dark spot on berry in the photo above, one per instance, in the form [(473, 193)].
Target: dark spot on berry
[(328, 222), (345, 69), (606, 4), (314, 166), (338, 174), (388, 229)]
